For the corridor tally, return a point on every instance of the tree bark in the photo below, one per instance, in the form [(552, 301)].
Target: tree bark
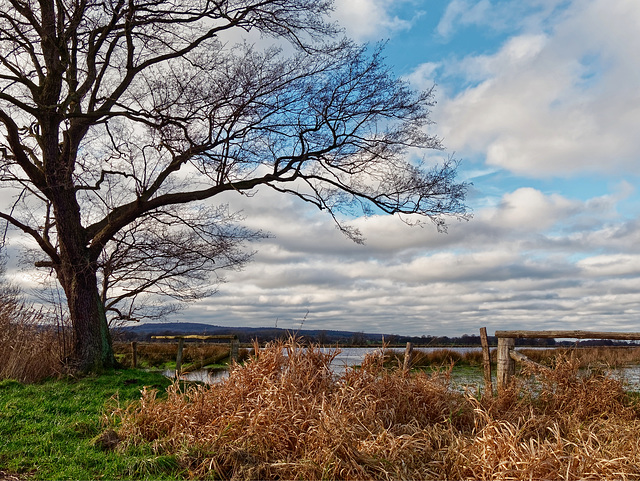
[(92, 348), (76, 269)]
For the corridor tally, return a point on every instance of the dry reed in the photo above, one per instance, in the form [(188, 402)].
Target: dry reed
[(445, 357), (284, 415), (30, 347), (599, 356)]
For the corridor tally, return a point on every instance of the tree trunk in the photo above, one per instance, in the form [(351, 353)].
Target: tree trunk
[(92, 348), (76, 269)]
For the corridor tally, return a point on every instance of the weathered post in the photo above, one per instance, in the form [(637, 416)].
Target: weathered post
[(134, 354), (407, 358), (179, 356), (506, 365), (235, 347), (486, 362)]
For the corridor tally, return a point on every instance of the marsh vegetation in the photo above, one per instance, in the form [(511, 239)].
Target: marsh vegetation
[(285, 415)]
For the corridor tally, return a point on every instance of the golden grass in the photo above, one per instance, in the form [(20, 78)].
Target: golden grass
[(432, 358), (600, 356), (444, 357), (30, 350), (284, 415)]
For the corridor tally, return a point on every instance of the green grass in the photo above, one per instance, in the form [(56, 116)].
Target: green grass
[(47, 430)]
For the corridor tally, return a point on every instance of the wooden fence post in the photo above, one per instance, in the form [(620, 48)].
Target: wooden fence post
[(134, 354), (407, 358), (486, 362), (506, 365), (235, 347), (179, 356)]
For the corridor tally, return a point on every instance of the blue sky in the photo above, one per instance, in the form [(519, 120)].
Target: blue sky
[(539, 99)]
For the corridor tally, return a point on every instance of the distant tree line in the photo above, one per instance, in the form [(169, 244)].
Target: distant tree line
[(339, 338)]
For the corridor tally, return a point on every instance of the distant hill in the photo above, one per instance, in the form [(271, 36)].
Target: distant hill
[(245, 334), (265, 334), (143, 332)]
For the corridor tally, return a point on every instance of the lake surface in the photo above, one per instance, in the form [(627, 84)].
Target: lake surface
[(353, 356), (349, 356)]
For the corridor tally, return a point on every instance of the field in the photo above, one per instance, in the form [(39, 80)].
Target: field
[(284, 415), (161, 355)]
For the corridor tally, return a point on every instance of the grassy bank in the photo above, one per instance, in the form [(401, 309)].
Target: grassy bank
[(51, 430), (585, 357), (600, 356)]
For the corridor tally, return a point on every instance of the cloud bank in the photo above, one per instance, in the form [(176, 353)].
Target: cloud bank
[(545, 120)]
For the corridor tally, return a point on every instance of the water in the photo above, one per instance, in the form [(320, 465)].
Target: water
[(353, 356), (206, 376), (349, 356)]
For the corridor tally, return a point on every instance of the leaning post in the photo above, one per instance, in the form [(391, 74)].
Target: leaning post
[(506, 365), (179, 356), (486, 362)]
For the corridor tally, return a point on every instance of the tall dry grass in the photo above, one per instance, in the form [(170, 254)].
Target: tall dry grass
[(432, 358), (440, 357), (599, 356), (31, 347), (284, 415)]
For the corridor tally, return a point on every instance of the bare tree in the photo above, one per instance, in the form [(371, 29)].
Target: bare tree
[(113, 111), (174, 255)]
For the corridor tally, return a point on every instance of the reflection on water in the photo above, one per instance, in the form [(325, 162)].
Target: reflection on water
[(354, 357), (207, 376)]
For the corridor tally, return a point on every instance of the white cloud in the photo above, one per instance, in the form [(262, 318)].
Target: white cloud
[(556, 103), (463, 12), (513, 262), (611, 265), (424, 76), (371, 19), (528, 209)]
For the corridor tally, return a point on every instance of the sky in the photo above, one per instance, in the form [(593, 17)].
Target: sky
[(539, 100)]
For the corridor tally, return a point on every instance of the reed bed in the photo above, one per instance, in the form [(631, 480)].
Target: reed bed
[(599, 356), (433, 358), (586, 357), (31, 347), (445, 357), (284, 415)]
